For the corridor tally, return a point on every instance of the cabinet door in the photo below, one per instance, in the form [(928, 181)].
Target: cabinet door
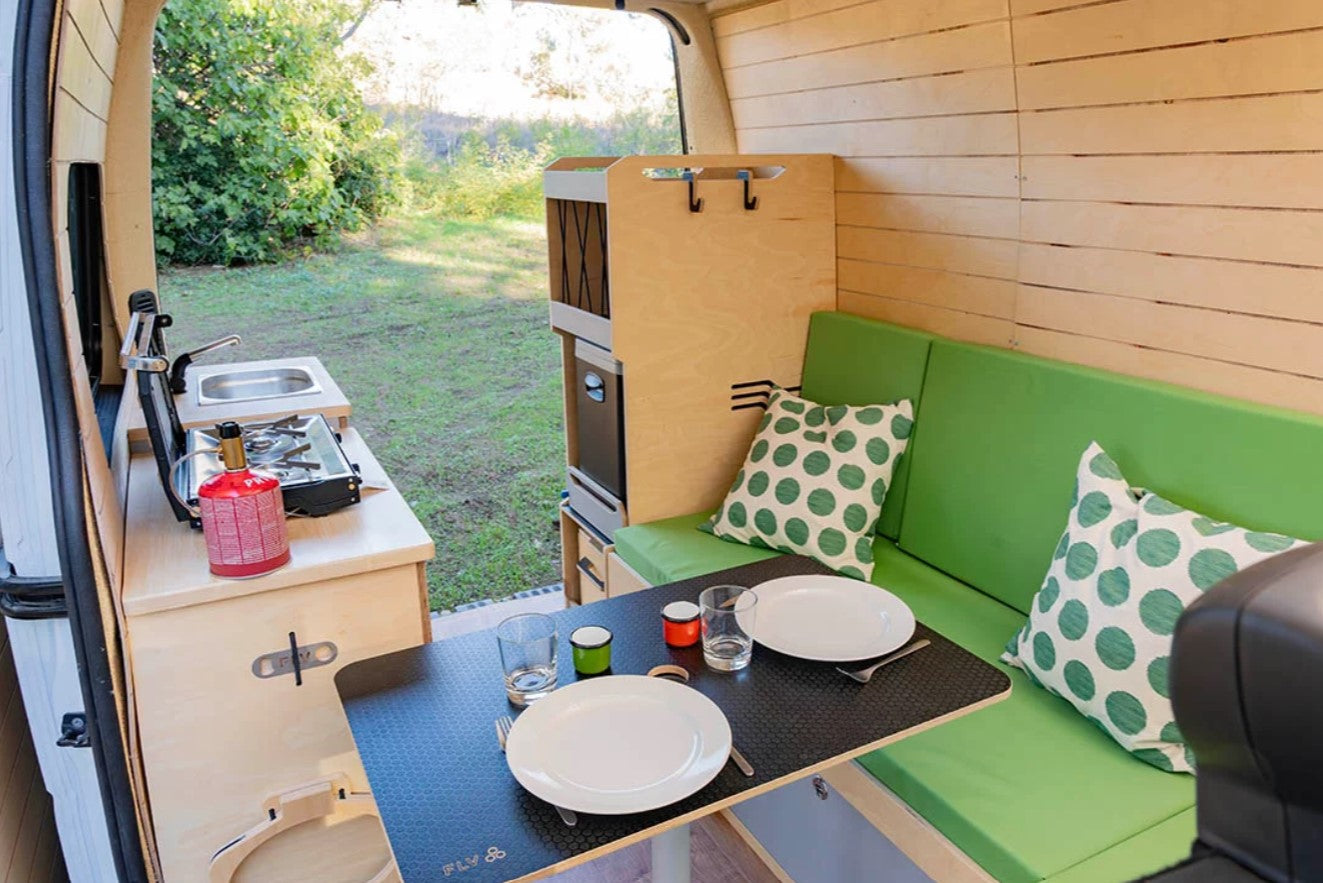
[(218, 737)]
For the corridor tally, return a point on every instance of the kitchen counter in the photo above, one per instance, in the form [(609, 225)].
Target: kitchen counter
[(330, 402), (165, 561)]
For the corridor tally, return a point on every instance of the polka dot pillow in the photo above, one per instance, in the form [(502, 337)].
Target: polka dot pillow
[(815, 479), (1100, 629)]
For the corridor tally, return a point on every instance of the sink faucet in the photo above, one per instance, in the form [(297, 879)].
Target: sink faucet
[(181, 363)]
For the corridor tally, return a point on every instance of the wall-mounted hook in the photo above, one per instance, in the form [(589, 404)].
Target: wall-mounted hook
[(695, 204), (750, 202)]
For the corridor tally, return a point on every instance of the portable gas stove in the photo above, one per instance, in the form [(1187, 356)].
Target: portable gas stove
[(302, 451), (316, 478)]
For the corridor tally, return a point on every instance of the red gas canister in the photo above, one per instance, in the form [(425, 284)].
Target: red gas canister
[(243, 514)]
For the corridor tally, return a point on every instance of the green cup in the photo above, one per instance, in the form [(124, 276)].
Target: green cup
[(590, 645)]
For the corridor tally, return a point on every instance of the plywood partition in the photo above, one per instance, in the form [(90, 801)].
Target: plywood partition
[(1132, 184), (704, 300)]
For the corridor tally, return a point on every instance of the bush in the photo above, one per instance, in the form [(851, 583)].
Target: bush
[(483, 180), (261, 138)]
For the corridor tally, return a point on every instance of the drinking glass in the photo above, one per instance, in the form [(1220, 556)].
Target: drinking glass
[(528, 656), (727, 615)]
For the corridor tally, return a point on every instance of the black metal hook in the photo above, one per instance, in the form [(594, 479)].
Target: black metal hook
[(695, 204), (750, 202)]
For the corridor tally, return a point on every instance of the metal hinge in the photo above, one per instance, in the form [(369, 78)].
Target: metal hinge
[(73, 731)]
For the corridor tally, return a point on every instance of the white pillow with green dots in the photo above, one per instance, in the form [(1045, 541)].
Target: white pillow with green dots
[(1100, 629), (815, 480)]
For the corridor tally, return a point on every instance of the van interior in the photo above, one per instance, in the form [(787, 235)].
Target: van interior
[(942, 437)]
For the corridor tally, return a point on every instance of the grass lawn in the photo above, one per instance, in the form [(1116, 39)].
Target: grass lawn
[(437, 332)]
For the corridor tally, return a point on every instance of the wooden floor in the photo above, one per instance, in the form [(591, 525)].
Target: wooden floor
[(717, 854)]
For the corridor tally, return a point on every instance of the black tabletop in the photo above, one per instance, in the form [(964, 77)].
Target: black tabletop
[(424, 718)]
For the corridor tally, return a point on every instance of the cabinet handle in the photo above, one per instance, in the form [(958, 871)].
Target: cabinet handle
[(314, 800), (585, 567)]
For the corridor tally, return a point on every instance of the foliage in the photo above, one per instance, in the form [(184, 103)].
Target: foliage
[(481, 181), (261, 138), (496, 168), (454, 378)]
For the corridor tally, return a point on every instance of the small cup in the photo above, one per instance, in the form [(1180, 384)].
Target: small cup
[(680, 626), (590, 645), (727, 616), (528, 656)]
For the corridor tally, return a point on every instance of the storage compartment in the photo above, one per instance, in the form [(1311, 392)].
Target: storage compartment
[(599, 424), (593, 504)]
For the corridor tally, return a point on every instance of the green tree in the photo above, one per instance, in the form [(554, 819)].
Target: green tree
[(261, 138)]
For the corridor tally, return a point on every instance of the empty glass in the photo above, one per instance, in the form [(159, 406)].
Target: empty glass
[(727, 614), (528, 656)]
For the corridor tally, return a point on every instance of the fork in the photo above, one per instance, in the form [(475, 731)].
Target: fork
[(503, 725), (864, 675)]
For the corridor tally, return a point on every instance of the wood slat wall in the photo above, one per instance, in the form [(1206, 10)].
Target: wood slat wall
[(1131, 184)]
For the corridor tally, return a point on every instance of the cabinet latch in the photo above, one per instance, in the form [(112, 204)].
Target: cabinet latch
[(820, 788), (296, 660), (73, 731)]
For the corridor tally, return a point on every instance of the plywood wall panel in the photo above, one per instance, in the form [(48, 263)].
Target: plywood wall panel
[(961, 49), (1237, 125), (971, 216), (979, 295), (946, 175), (1131, 25), (1238, 286), (1267, 235), (975, 135), (977, 91), (855, 25), (975, 256), (1281, 180), (1148, 198), (960, 325), (1215, 334), (1257, 66)]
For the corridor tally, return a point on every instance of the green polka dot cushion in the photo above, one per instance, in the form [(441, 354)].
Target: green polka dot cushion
[(815, 479), (1100, 628)]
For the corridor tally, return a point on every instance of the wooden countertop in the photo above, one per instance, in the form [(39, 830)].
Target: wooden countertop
[(330, 402), (165, 561)]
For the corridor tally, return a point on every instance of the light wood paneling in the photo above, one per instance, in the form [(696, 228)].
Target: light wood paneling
[(1131, 184)]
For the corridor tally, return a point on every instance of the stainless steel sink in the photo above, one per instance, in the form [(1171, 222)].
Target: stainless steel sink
[(218, 387)]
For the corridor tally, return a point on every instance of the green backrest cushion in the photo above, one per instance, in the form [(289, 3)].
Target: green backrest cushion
[(990, 486), (850, 360)]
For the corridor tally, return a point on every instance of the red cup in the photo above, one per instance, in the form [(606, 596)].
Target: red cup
[(680, 625)]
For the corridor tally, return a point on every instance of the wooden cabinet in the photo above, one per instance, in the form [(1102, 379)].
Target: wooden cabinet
[(250, 766), (693, 277)]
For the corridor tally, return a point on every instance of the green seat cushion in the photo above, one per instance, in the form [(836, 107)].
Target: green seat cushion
[(1027, 787), (675, 549), (850, 360), (999, 435), (1162, 845)]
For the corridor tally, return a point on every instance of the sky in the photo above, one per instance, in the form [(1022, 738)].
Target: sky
[(484, 61)]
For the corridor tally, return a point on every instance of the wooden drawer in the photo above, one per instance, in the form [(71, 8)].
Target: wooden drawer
[(222, 730)]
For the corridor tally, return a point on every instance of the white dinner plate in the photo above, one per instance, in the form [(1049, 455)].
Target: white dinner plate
[(829, 618), (618, 744)]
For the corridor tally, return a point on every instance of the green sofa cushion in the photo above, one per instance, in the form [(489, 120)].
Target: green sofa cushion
[(1027, 787), (675, 549), (1000, 433), (1006, 784), (850, 360), (1147, 851)]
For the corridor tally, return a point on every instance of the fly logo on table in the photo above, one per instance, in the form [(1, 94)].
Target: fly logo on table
[(494, 854)]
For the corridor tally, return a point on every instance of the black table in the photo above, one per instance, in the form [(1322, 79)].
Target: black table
[(423, 720)]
